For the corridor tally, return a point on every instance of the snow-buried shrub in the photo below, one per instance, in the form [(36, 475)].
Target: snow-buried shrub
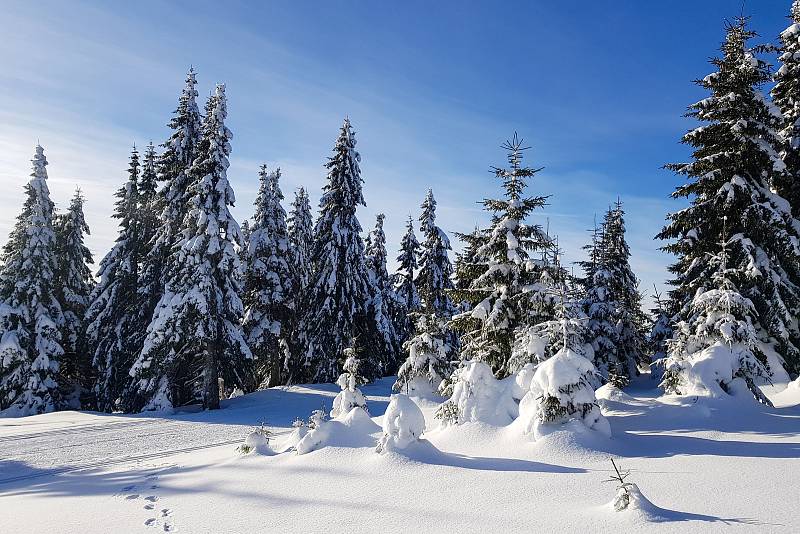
[(562, 392), (355, 429), (350, 397), (479, 397), (257, 441), (403, 424)]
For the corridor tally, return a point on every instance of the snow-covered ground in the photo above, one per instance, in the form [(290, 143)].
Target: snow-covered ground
[(703, 467)]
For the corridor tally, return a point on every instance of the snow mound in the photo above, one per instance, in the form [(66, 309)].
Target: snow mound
[(630, 499), (403, 424), (353, 430), (789, 396), (613, 393), (299, 430)]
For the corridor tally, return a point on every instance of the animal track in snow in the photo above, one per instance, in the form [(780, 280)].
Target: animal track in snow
[(151, 498)]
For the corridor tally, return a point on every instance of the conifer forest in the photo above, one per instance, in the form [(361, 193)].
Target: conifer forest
[(299, 369)]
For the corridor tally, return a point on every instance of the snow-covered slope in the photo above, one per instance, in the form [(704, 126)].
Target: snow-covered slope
[(702, 466)]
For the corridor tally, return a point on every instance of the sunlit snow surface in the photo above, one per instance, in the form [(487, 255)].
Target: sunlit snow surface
[(703, 465)]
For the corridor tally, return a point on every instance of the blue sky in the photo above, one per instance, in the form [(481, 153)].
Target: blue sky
[(432, 88)]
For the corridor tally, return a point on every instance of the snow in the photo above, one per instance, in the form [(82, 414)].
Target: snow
[(403, 424), (726, 469), (479, 397)]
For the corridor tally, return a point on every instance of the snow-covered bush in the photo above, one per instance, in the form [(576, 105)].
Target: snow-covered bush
[(354, 429), (350, 397), (429, 355), (257, 441), (403, 424), (479, 397), (562, 391), (716, 351)]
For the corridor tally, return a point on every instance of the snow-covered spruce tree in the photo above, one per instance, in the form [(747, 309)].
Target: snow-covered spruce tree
[(716, 352), (148, 199), (562, 388), (404, 286), (195, 337), (301, 238), (498, 296), (350, 396), (172, 202), (624, 287), (433, 342), (435, 270), (114, 321), (786, 96), (339, 291), (266, 287), (73, 285), (660, 333), (30, 314), (735, 160), (429, 357), (383, 302), (602, 310)]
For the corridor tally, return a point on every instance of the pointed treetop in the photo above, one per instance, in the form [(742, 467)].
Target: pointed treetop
[(39, 161)]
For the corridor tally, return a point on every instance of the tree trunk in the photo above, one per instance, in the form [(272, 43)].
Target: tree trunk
[(211, 375)]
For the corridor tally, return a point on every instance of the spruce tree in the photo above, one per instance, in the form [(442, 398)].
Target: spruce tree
[(660, 333), (562, 388), (602, 310), (172, 202), (735, 161), (383, 303), (114, 326), (407, 265), (433, 341), (148, 199), (301, 238), (73, 286), (716, 351), (429, 358), (404, 286), (337, 296), (267, 281), (624, 288), (500, 302), (786, 96), (435, 271), (30, 314), (195, 337)]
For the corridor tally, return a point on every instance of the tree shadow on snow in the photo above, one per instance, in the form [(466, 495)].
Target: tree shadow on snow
[(426, 453), (20, 478)]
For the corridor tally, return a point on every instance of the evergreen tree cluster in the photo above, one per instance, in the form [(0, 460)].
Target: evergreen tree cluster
[(188, 306)]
